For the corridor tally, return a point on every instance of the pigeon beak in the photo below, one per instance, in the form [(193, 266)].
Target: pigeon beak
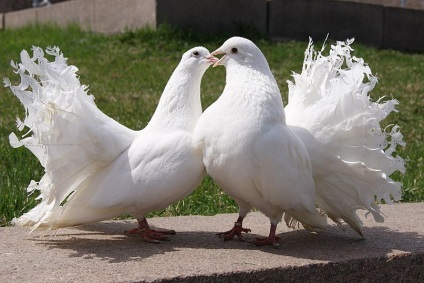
[(220, 62), (212, 59), (217, 52)]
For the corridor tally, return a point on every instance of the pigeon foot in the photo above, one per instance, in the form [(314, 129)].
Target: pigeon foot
[(164, 231), (274, 241), (237, 230), (150, 235), (270, 240)]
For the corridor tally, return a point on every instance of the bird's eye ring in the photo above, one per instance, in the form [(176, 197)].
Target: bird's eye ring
[(234, 50), (195, 53)]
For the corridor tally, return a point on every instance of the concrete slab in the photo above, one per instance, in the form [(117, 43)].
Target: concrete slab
[(414, 4), (20, 18), (393, 251), (404, 29), (7, 5), (378, 25), (111, 16), (341, 20), (66, 13), (14, 5), (216, 16)]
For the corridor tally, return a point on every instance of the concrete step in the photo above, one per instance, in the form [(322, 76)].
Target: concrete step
[(393, 251)]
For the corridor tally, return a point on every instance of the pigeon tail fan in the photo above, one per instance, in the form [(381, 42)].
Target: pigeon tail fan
[(69, 135), (352, 155)]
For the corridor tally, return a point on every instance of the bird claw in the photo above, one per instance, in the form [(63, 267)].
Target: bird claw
[(237, 230), (164, 231), (155, 236), (149, 235), (133, 231), (274, 241)]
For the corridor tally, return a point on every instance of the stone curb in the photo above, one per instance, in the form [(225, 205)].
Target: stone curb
[(392, 251)]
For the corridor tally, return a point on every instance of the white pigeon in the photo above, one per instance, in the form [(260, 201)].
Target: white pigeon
[(96, 168), (248, 149), (352, 156), (329, 110)]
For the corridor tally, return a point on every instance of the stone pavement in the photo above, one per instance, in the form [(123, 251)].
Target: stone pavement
[(393, 251)]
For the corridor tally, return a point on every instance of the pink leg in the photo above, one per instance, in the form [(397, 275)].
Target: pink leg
[(149, 235), (235, 231), (270, 240)]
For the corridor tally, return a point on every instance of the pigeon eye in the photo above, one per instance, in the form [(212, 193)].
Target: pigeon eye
[(195, 53), (234, 50)]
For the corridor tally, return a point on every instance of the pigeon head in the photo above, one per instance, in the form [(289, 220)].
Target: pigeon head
[(197, 58), (241, 51)]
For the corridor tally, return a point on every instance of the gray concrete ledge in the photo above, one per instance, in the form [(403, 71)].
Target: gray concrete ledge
[(392, 252), (378, 25)]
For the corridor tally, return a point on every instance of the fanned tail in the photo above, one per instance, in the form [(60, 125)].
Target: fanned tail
[(68, 134), (352, 156)]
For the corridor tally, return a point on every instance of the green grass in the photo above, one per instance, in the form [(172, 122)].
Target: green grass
[(128, 72)]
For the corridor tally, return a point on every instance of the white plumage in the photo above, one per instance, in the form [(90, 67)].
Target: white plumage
[(352, 156), (96, 168), (249, 150), (332, 152)]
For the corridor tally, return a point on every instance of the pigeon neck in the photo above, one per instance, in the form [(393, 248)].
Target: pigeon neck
[(179, 105), (256, 89)]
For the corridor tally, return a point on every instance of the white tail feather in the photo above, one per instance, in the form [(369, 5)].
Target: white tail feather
[(352, 156), (55, 100)]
